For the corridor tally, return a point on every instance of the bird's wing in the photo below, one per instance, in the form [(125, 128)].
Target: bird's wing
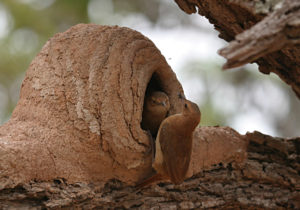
[(176, 149)]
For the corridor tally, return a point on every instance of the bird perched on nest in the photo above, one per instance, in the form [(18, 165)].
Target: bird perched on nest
[(174, 145), (155, 111)]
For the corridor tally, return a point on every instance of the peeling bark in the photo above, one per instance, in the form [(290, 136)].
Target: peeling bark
[(265, 32)]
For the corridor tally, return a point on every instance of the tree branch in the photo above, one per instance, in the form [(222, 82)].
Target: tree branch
[(265, 32), (269, 179), (75, 137)]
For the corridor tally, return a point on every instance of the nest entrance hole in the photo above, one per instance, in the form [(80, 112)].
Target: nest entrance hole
[(155, 84)]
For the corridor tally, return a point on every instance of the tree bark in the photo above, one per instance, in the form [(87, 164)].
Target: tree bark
[(265, 32), (75, 140), (268, 179)]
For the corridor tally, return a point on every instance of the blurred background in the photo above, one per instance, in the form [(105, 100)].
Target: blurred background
[(241, 98)]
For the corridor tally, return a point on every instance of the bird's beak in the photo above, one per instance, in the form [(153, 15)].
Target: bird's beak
[(164, 103), (181, 96)]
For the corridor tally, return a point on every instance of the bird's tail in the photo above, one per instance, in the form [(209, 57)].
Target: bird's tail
[(151, 180)]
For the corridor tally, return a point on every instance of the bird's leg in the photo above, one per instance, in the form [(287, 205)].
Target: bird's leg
[(156, 178)]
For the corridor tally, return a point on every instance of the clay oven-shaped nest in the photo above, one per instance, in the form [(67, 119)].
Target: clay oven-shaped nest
[(80, 108), (80, 111)]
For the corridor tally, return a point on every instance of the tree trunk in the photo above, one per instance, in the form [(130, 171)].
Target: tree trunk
[(75, 140)]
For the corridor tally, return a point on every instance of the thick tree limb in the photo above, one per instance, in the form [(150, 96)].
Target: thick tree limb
[(273, 42), (269, 180)]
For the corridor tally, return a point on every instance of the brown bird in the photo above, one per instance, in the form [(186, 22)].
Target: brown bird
[(174, 146), (155, 111)]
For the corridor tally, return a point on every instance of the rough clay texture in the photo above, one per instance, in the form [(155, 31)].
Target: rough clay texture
[(80, 108), (265, 32), (215, 145), (75, 140), (269, 179)]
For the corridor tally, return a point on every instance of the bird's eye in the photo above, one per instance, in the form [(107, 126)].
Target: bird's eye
[(185, 105)]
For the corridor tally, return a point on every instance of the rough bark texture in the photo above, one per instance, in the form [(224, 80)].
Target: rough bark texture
[(265, 32), (75, 140), (79, 114), (269, 179)]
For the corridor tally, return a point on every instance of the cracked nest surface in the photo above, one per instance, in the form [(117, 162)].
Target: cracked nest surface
[(80, 108)]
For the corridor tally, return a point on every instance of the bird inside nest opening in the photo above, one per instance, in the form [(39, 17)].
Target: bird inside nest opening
[(156, 107), (155, 110)]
